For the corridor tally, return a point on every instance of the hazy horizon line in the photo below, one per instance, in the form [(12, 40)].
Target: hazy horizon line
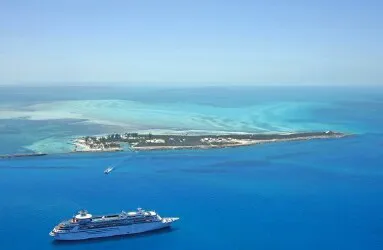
[(176, 84)]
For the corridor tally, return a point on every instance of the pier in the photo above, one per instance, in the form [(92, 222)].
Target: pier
[(7, 156)]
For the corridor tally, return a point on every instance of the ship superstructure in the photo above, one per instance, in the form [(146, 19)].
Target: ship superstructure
[(86, 226)]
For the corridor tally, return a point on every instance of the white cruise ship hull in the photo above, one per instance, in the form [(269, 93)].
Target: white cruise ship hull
[(113, 231)]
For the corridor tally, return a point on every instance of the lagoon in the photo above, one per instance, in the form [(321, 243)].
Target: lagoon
[(323, 194)]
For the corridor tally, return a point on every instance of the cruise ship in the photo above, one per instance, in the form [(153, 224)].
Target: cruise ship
[(85, 226)]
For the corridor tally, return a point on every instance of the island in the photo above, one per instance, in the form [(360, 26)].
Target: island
[(136, 141), (148, 141)]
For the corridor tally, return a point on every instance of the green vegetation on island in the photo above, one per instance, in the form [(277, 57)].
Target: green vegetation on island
[(149, 141)]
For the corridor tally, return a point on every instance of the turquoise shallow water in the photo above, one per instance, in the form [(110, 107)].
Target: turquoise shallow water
[(323, 194), (31, 118)]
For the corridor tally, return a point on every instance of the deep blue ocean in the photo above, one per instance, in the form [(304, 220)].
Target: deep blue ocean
[(320, 194)]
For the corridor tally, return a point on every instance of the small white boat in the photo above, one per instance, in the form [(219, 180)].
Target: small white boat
[(108, 170)]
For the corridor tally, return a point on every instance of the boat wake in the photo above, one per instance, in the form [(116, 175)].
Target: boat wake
[(115, 166)]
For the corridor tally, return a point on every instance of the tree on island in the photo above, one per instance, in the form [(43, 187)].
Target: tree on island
[(150, 136)]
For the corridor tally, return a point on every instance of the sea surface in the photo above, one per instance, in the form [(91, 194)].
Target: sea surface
[(319, 194)]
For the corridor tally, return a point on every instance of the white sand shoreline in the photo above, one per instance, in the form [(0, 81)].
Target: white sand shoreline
[(208, 142), (241, 143)]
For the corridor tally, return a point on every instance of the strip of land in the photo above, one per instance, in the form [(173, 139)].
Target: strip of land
[(140, 142), (135, 141), (21, 155)]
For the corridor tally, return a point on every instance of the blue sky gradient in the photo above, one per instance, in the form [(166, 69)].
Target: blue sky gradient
[(192, 42)]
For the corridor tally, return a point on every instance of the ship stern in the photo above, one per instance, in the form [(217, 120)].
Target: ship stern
[(53, 234)]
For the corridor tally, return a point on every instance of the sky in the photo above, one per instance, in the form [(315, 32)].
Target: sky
[(317, 42)]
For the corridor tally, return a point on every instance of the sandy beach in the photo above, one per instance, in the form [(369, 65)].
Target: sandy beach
[(233, 143), (142, 142)]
